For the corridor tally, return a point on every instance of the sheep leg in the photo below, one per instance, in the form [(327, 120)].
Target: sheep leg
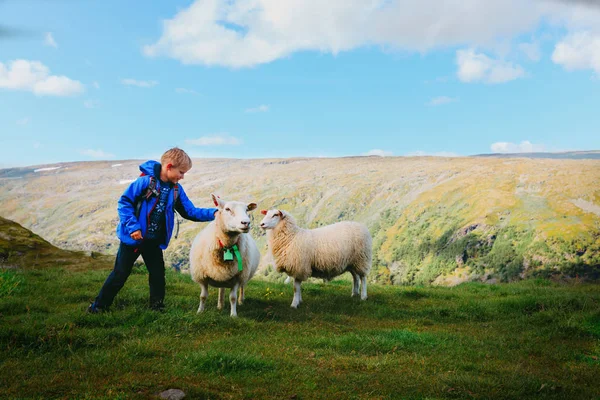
[(355, 284), (233, 300), (221, 299), (203, 296), (241, 296), (297, 293), (363, 294)]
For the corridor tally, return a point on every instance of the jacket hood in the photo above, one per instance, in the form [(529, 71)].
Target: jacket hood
[(151, 168)]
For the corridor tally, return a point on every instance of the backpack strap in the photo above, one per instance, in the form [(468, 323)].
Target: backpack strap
[(150, 191), (175, 193), (175, 196)]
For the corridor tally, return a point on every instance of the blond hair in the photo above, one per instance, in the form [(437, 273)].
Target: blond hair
[(177, 157)]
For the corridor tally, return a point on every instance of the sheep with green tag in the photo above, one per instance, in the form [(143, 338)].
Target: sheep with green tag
[(224, 255)]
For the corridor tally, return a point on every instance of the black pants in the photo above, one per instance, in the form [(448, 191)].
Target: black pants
[(126, 256)]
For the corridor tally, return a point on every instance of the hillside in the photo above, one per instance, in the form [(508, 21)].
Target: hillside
[(21, 248), (433, 220)]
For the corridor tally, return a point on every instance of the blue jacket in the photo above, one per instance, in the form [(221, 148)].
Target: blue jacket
[(129, 223)]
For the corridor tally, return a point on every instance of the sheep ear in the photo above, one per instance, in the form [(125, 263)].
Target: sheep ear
[(263, 212), (281, 214), (217, 200), (251, 206)]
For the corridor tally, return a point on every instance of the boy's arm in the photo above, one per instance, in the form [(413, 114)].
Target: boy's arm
[(186, 208), (126, 204)]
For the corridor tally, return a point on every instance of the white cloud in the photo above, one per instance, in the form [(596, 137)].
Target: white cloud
[(215, 140), (23, 121), (438, 101), (135, 82), (244, 33), (185, 91), (33, 76), (378, 152), (531, 50), (96, 85), (477, 67), (91, 104), (97, 154), (578, 51), (261, 108), (49, 40), (523, 147), (575, 15), (58, 86), (434, 154)]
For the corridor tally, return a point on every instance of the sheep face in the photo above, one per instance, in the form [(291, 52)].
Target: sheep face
[(234, 214), (271, 219)]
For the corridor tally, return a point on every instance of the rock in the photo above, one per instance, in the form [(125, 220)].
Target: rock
[(172, 394)]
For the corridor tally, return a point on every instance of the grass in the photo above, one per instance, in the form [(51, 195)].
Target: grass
[(532, 339)]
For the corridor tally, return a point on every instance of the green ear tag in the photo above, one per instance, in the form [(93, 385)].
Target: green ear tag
[(227, 256)]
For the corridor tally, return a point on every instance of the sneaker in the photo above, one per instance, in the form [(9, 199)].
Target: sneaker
[(94, 309), (157, 306)]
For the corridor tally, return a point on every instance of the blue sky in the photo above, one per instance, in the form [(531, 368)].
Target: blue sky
[(98, 80)]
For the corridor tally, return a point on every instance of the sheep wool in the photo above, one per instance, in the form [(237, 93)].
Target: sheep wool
[(324, 252)]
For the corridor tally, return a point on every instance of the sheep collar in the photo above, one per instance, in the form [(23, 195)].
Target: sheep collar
[(228, 256)]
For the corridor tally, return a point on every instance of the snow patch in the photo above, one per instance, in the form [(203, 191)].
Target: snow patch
[(46, 169)]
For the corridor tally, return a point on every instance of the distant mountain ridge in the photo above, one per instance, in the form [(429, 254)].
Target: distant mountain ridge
[(434, 220), (570, 155)]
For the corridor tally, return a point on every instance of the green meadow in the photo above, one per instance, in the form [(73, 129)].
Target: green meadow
[(534, 339)]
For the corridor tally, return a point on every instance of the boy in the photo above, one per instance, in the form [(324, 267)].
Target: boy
[(146, 219)]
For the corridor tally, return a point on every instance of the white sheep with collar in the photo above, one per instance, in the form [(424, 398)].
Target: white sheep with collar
[(208, 265)]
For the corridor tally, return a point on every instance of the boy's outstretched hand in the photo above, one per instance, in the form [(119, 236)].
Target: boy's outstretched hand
[(137, 235)]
